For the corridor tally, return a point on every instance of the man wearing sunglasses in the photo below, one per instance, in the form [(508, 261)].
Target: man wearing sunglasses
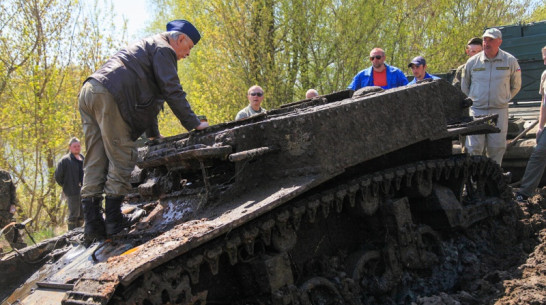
[(379, 74), (255, 95)]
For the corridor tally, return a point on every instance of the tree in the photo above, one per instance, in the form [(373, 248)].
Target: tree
[(55, 50), (288, 46), (539, 14)]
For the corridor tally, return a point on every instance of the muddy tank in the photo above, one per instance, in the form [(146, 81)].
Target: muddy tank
[(340, 199)]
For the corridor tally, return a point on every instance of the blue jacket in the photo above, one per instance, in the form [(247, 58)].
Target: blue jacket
[(414, 80), (364, 78)]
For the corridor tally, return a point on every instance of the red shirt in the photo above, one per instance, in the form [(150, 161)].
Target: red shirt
[(380, 78)]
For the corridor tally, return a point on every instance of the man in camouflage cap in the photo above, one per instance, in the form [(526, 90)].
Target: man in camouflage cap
[(8, 202)]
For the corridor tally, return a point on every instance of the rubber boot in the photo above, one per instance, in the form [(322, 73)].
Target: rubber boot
[(72, 225), (94, 223), (115, 220)]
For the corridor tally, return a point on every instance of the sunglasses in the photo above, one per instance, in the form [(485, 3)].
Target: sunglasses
[(376, 57), (256, 94)]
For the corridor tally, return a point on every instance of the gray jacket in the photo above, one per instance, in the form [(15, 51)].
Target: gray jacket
[(141, 78), (69, 174), (491, 83), (247, 112)]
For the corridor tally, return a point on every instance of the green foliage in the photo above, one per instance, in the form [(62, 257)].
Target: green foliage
[(539, 14), (43, 234), (289, 46), (47, 49)]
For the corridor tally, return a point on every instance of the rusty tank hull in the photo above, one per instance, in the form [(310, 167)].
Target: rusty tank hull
[(334, 200)]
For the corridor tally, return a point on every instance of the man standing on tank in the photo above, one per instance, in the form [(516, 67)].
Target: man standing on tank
[(491, 79), (379, 74), (537, 161), (118, 103)]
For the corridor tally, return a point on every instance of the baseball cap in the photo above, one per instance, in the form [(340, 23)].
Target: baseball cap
[(418, 61), (492, 33), (184, 26), (475, 40)]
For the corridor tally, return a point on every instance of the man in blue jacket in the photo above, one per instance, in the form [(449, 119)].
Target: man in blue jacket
[(379, 74)]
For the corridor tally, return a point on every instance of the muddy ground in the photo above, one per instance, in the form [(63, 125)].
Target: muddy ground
[(505, 261)]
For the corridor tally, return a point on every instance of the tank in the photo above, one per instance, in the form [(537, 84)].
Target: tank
[(334, 200)]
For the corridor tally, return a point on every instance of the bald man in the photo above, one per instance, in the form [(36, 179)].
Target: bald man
[(311, 93), (379, 74)]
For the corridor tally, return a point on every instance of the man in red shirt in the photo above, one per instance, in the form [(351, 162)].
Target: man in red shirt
[(379, 74)]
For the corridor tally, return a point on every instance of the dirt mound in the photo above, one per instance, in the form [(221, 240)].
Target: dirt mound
[(503, 262)]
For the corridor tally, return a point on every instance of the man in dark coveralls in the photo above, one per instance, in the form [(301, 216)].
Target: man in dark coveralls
[(8, 203), (118, 103)]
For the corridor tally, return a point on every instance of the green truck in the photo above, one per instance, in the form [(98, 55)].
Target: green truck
[(525, 41)]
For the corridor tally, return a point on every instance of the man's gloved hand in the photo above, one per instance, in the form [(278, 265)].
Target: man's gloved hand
[(153, 140)]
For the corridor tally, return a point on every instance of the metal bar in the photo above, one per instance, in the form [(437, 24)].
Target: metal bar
[(522, 134), (249, 154), (55, 285)]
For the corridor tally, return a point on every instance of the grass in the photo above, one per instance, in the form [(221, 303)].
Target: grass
[(43, 234), (38, 237)]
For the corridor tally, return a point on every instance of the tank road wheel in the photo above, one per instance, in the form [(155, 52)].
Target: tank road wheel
[(369, 270), (429, 242), (320, 291)]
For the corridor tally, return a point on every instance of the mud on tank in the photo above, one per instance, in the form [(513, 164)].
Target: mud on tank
[(335, 200)]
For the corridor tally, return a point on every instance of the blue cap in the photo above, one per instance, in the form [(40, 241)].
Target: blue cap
[(418, 61), (185, 27)]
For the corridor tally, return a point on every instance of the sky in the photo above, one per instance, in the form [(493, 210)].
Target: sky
[(135, 11)]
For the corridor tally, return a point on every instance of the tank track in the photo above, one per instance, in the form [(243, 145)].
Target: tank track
[(278, 258)]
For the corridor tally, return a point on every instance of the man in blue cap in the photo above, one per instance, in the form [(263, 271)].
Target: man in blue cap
[(117, 104), (418, 67)]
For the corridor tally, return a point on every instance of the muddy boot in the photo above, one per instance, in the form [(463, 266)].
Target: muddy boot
[(94, 223), (115, 220), (72, 224)]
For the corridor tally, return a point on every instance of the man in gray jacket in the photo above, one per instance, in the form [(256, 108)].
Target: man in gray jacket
[(491, 79), (69, 175), (118, 103)]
